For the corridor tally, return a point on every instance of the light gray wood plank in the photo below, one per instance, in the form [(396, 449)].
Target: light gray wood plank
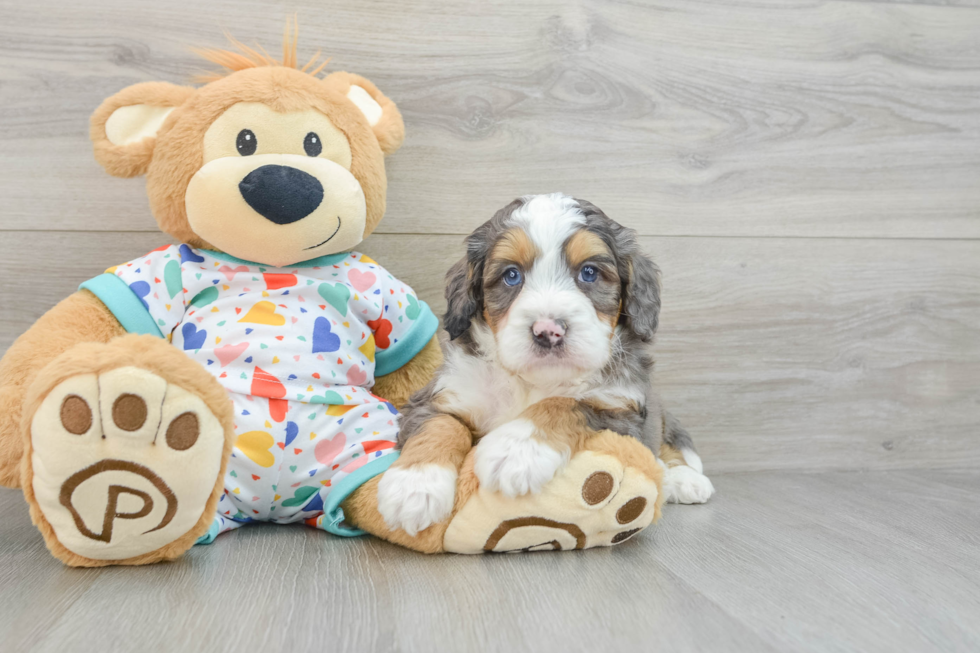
[(292, 588), (712, 118), (838, 562), (776, 353), (776, 561)]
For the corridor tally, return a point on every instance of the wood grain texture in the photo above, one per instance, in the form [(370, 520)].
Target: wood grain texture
[(774, 118), (775, 353), (777, 561), (804, 172)]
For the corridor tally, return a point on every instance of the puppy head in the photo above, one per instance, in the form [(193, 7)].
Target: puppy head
[(554, 280)]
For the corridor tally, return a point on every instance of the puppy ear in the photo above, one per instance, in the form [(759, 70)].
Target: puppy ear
[(380, 112), (124, 127), (641, 290), (463, 297), (639, 275), (464, 281)]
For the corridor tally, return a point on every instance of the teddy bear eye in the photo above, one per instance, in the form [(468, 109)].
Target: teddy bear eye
[(246, 142), (312, 144)]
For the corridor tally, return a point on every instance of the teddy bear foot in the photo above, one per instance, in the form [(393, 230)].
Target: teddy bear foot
[(605, 495), (124, 464)]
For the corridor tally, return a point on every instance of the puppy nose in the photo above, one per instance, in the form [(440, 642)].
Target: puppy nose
[(281, 194), (549, 333)]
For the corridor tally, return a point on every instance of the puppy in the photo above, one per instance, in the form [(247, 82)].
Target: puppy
[(550, 315)]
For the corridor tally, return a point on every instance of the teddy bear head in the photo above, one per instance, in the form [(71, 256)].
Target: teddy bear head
[(269, 163)]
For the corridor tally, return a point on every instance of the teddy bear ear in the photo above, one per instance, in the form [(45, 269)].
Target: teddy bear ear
[(124, 127), (380, 112)]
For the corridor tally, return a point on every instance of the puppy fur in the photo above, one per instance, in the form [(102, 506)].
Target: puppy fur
[(550, 317)]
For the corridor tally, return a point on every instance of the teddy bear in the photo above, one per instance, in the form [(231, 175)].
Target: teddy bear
[(253, 371)]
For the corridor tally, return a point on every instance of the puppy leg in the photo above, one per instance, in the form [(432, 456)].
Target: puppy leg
[(418, 490), (684, 479), (522, 455)]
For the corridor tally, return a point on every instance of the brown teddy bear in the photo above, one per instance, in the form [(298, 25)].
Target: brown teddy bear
[(252, 372)]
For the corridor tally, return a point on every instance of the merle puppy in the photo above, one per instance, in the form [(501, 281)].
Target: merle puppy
[(550, 317)]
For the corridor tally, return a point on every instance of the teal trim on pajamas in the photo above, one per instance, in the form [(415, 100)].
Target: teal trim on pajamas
[(212, 533), (318, 262), (333, 515), (217, 527), (398, 354), (123, 303)]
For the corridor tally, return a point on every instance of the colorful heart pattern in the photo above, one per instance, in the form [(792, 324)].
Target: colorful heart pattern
[(230, 272), (362, 281), (335, 294), (194, 338), (171, 278), (263, 313), (283, 472), (228, 353), (141, 289), (256, 445), (323, 338), (296, 348)]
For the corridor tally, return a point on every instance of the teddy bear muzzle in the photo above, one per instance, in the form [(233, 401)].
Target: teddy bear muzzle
[(281, 194)]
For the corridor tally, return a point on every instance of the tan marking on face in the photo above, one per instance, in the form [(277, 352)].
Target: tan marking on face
[(611, 319), (584, 245), (614, 319), (580, 248), (490, 321), (515, 246)]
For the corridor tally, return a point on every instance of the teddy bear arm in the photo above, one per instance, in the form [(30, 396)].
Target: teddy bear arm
[(401, 384), (79, 318)]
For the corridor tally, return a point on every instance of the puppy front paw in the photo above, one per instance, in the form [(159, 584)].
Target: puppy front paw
[(414, 497), (511, 461), (683, 484)]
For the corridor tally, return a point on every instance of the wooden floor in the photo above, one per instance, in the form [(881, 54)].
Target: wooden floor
[(805, 172), (779, 561)]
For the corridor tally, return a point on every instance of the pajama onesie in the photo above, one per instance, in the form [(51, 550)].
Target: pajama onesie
[(298, 349)]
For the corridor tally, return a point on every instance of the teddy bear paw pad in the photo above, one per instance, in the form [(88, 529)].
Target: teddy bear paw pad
[(595, 500), (124, 463)]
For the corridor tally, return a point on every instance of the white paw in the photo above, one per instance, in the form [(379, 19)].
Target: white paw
[(413, 498), (512, 462), (683, 484)]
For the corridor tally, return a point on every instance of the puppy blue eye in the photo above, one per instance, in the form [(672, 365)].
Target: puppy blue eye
[(588, 274), (512, 276)]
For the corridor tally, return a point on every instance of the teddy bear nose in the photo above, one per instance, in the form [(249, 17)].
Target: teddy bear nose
[(281, 194)]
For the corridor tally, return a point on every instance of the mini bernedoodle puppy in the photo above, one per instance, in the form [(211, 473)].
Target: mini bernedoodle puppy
[(550, 315)]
